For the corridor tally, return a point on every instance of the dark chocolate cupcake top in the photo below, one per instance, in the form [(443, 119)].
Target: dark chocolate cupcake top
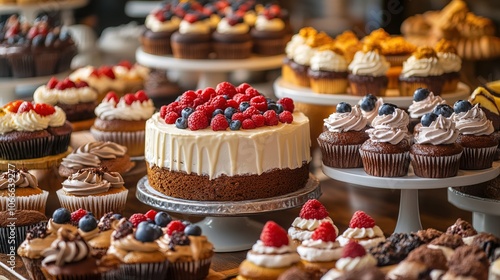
[(462, 228), (469, 261), (427, 235), (431, 258), (395, 248)]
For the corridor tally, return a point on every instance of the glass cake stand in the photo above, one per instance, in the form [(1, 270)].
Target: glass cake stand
[(226, 224), (409, 214)]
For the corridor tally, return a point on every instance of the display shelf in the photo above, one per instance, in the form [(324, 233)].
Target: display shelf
[(485, 211), (306, 95), (226, 223), (29, 11), (212, 71), (409, 213)]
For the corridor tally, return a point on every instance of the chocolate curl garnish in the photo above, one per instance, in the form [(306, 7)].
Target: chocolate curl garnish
[(178, 238), (123, 229), (39, 231)]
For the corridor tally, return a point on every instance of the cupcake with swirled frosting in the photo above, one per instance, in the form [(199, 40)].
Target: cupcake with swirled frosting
[(368, 72), (94, 189), (345, 131), (434, 153), (231, 39), (362, 230), (159, 25), (475, 136), (37, 239), (450, 62), (107, 154), (269, 31), (386, 153), (123, 120), (421, 70), (328, 70), (24, 186), (354, 258), (424, 101)]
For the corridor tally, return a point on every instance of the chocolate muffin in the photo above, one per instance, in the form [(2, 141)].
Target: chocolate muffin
[(427, 235), (452, 241), (419, 264), (231, 39), (395, 248), (61, 136), (462, 228)]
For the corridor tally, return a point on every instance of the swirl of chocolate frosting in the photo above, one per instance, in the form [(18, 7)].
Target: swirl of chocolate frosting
[(91, 154), (88, 181), (21, 178), (69, 247)]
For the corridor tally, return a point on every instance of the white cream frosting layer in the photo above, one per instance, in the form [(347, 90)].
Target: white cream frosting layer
[(272, 257), (242, 152), (67, 96), (319, 251), (355, 263), (155, 25), (264, 24)]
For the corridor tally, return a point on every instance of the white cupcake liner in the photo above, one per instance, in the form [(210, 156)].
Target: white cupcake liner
[(98, 205), (477, 158), (35, 202), (132, 271), (435, 167), (340, 156), (385, 165), (194, 270), (134, 141)]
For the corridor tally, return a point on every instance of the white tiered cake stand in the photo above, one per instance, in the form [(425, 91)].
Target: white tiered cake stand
[(409, 214), (306, 95), (29, 11), (226, 224), (212, 71)]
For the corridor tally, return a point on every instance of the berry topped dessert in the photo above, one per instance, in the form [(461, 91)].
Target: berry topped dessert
[(160, 24), (312, 214), (363, 230), (227, 143), (354, 257), (269, 31), (369, 105), (424, 101)]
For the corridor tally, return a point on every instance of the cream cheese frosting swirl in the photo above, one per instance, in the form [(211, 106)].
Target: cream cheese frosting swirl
[(303, 54), (302, 229), (58, 118), (30, 121), (21, 178), (473, 122), (153, 24), (69, 247), (349, 121), (450, 62), (370, 63), (264, 24), (200, 27), (90, 154), (6, 123), (346, 264), (390, 128), (319, 250), (423, 67), (89, 181), (68, 96), (109, 110), (370, 115), (273, 257), (328, 60), (441, 131), (419, 108), (224, 27)]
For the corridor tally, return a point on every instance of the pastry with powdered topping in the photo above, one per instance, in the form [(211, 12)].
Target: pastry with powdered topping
[(421, 263)]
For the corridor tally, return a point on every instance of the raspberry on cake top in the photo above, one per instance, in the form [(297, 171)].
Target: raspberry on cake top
[(362, 229), (312, 214)]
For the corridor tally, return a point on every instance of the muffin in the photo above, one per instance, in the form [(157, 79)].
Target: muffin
[(395, 248), (424, 101), (421, 70), (37, 239), (369, 106), (272, 255), (488, 242), (420, 264), (450, 62), (109, 155), (14, 224), (467, 262), (77, 99), (354, 257), (427, 235), (328, 70), (159, 25), (386, 153), (311, 215), (344, 134), (231, 39), (475, 136), (292, 71), (123, 121), (193, 39), (138, 251), (269, 32), (368, 72), (24, 186), (435, 153), (94, 189), (362, 230)]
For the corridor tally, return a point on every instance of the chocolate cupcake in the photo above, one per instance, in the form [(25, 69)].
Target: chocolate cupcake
[(13, 233), (37, 239), (160, 24), (395, 248), (450, 62), (488, 242), (424, 101), (269, 32), (468, 262), (231, 39), (368, 72), (193, 39)]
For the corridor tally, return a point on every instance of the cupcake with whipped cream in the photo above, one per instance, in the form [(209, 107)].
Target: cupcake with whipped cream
[(132, 76), (421, 70), (475, 136), (435, 153), (76, 98), (159, 25), (328, 70), (363, 230), (270, 256), (231, 39), (311, 215), (269, 32), (107, 154), (94, 189), (345, 132), (424, 101), (321, 251), (296, 72), (103, 79), (369, 106), (24, 186), (368, 72), (450, 62), (193, 39), (354, 257), (123, 120)]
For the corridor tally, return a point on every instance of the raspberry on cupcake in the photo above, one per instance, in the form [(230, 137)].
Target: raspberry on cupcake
[(363, 230), (311, 215)]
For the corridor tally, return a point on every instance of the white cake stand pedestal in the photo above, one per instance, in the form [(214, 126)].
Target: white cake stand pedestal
[(211, 71), (409, 214), (226, 223)]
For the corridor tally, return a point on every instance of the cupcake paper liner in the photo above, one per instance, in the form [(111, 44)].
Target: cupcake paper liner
[(32, 202), (385, 165), (477, 158), (157, 270), (5, 70), (361, 89), (98, 205), (65, 59), (18, 235), (134, 141), (33, 267), (90, 276), (23, 66), (61, 144), (31, 148), (191, 51), (329, 86), (340, 156), (269, 47), (159, 46), (233, 50), (435, 167), (46, 63), (397, 60), (195, 270)]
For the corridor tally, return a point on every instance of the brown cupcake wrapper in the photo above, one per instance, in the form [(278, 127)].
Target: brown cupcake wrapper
[(46, 63), (5, 69), (191, 51), (233, 50), (91, 276), (28, 149), (19, 236), (33, 267), (477, 158), (269, 47), (340, 156), (134, 141), (157, 270), (160, 46), (35, 202), (65, 59), (362, 89), (23, 66), (329, 86), (397, 60), (98, 205), (385, 165), (61, 144), (194, 270), (435, 167)]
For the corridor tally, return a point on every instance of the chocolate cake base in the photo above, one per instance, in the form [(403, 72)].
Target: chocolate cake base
[(227, 188)]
